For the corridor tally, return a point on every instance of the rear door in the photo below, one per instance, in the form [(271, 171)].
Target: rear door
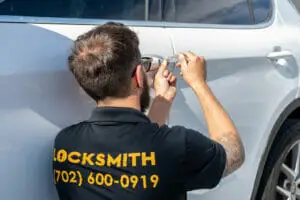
[(39, 96), (251, 69)]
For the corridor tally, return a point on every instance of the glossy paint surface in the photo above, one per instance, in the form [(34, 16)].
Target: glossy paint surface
[(253, 71)]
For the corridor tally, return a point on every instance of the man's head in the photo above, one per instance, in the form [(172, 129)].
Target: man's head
[(106, 61)]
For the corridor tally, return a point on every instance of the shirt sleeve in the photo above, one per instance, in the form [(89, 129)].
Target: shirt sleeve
[(204, 161)]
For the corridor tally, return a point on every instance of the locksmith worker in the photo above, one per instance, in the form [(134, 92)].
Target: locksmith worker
[(120, 153)]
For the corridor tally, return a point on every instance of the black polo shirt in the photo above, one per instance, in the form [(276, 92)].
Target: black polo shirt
[(119, 154)]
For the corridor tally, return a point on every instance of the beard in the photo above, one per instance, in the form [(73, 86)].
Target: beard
[(145, 96)]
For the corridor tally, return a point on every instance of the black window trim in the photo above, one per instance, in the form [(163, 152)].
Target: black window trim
[(135, 23)]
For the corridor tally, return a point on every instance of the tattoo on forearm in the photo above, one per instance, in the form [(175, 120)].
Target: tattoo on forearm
[(234, 151)]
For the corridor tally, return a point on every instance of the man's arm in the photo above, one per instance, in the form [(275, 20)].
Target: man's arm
[(164, 85), (220, 126)]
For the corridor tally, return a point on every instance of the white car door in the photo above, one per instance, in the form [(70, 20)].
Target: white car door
[(39, 96), (252, 70)]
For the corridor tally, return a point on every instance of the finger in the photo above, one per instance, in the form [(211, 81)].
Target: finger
[(170, 76), (189, 55), (172, 79), (166, 73), (182, 60), (203, 59), (163, 67), (192, 53)]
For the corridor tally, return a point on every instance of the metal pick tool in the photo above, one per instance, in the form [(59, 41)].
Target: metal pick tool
[(172, 61)]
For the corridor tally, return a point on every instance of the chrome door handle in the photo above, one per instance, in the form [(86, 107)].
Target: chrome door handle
[(152, 62), (279, 55)]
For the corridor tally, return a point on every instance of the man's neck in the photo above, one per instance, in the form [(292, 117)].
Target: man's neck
[(128, 102)]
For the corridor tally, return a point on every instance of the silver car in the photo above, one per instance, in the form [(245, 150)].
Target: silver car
[(252, 49)]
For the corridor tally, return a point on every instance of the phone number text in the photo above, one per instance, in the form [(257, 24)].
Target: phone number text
[(100, 179)]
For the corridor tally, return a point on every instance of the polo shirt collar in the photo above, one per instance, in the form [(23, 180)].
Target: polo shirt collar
[(118, 114)]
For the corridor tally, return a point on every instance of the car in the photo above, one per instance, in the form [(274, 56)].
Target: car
[(252, 49)]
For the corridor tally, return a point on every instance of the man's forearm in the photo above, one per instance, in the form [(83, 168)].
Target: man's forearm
[(159, 110), (221, 128), (217, 119)]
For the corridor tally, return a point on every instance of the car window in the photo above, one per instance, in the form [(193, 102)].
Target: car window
[(240, 12), (94, 9), (262, 10), (236, 12), (296, 4)]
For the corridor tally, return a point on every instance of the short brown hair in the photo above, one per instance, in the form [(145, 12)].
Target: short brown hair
[(103, 60)]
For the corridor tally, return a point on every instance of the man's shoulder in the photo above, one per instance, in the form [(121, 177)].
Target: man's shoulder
[(173, 135), (185, 136), (177, 129), (71, 129)]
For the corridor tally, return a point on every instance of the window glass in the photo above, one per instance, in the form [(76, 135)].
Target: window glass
[(94, 9), (235, 12), (262, 10), (297, 4)]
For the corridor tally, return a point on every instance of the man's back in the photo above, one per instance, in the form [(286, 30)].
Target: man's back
[(119, 154)]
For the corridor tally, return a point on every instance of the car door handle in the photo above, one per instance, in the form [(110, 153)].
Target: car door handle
[(279, 54), (151, 62)]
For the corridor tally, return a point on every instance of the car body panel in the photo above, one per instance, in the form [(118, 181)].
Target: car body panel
[(39, 96)]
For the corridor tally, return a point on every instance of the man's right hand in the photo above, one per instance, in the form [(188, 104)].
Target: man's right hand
[(220, 126), (193, 68)]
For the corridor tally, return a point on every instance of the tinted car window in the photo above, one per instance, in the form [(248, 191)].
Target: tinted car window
[(262, 10), (97, 9), (239, 12)]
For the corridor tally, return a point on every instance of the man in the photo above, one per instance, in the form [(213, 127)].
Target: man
[(120, 153)]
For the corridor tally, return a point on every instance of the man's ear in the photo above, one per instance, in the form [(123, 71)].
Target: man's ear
[(139, 76)]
